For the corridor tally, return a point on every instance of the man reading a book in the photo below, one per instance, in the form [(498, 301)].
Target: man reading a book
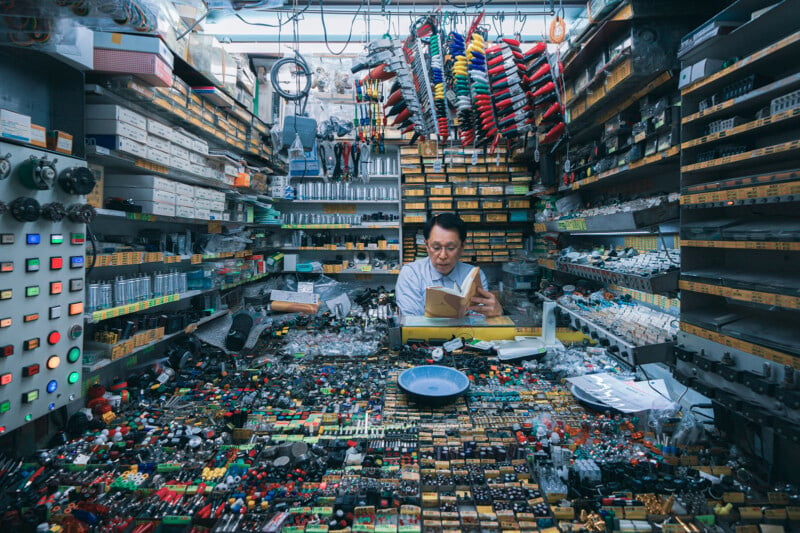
[(445, 235)]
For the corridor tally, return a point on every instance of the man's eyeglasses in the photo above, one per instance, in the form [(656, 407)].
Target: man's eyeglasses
[(435, 248)]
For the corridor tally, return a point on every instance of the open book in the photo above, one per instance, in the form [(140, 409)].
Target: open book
[(441, 302)]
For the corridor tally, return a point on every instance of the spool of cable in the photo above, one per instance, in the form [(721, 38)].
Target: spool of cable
[(558, 30)]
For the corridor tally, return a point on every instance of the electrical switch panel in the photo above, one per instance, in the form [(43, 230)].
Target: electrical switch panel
[(41, 281)]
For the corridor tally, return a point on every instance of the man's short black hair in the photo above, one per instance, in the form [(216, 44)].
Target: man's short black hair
[(448, 221)]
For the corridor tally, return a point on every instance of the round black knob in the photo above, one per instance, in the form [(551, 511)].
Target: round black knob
[(77, 180), (26, 209), (54, 212), (82, 213)]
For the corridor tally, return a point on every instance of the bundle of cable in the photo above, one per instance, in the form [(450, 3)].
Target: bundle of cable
[(437, 80)]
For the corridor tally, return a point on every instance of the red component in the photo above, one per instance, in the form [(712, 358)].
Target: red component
[(537, 49), (56, 263), (555, 133), (394, 98), (544, 89), (541, 72), (54, 337), (552, 110)]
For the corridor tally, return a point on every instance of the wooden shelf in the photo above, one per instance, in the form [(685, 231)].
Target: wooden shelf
[(339, 226), (613, 223), (93, 368), (596, 37), (777, 52), (782, 191), (757, 297), (784, 118), (754, 99), (322, 249), (776, 356), (629, 171), (751, 34), (758, 156), (141, 258), (663, 283), (743, 245)]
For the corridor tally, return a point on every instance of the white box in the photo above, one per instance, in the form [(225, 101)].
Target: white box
[(706, 67), (181, 164), (184, 211), (289, 262), (140, 194), (179, 152), (197, 159), (216, 215), (115, 142), (200, 146), (216, 196), (166, 210), (202, 203), (115, 112), (114, 127), (202, 192), (15, 126), (202, 214), (217, 206), (142, 180), (184, 189), (133, 43), (182, 139), (157, 156), (200, 170), (157, 128)]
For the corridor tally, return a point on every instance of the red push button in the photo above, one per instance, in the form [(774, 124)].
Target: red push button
[(56, 287), (56, 263), (5, 379), (33, 317), (54, 337), (7, 266), (30, 370), (7, 350)]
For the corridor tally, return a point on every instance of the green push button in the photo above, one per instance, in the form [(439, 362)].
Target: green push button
[(73, 378), (33, 290), (56, 238), (32, 264), (30, 396), (5, 406), (73, 354)]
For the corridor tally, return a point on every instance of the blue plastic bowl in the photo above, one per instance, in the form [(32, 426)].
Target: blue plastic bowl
[(432, 384)]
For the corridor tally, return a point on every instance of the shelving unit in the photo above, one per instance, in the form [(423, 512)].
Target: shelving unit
[(376, 241), (739, 290)]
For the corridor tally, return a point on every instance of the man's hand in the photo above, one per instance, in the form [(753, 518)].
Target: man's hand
[(485, 303)]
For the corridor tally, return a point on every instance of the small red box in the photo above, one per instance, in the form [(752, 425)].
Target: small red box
[(147, 67)]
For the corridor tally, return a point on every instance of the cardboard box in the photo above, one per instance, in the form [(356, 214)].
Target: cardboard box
[(150, 68), (185, 190), (202, 214), (184, 211), (127, 42), (147, 181), (114, 127), (38, 136), (115, 142), (115, 112), (157, 128), (705, 67), (139, 194), (15, 126), (157, 156), (95, 198)]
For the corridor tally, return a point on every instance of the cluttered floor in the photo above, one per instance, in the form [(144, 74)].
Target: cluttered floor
[(297, 434)]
